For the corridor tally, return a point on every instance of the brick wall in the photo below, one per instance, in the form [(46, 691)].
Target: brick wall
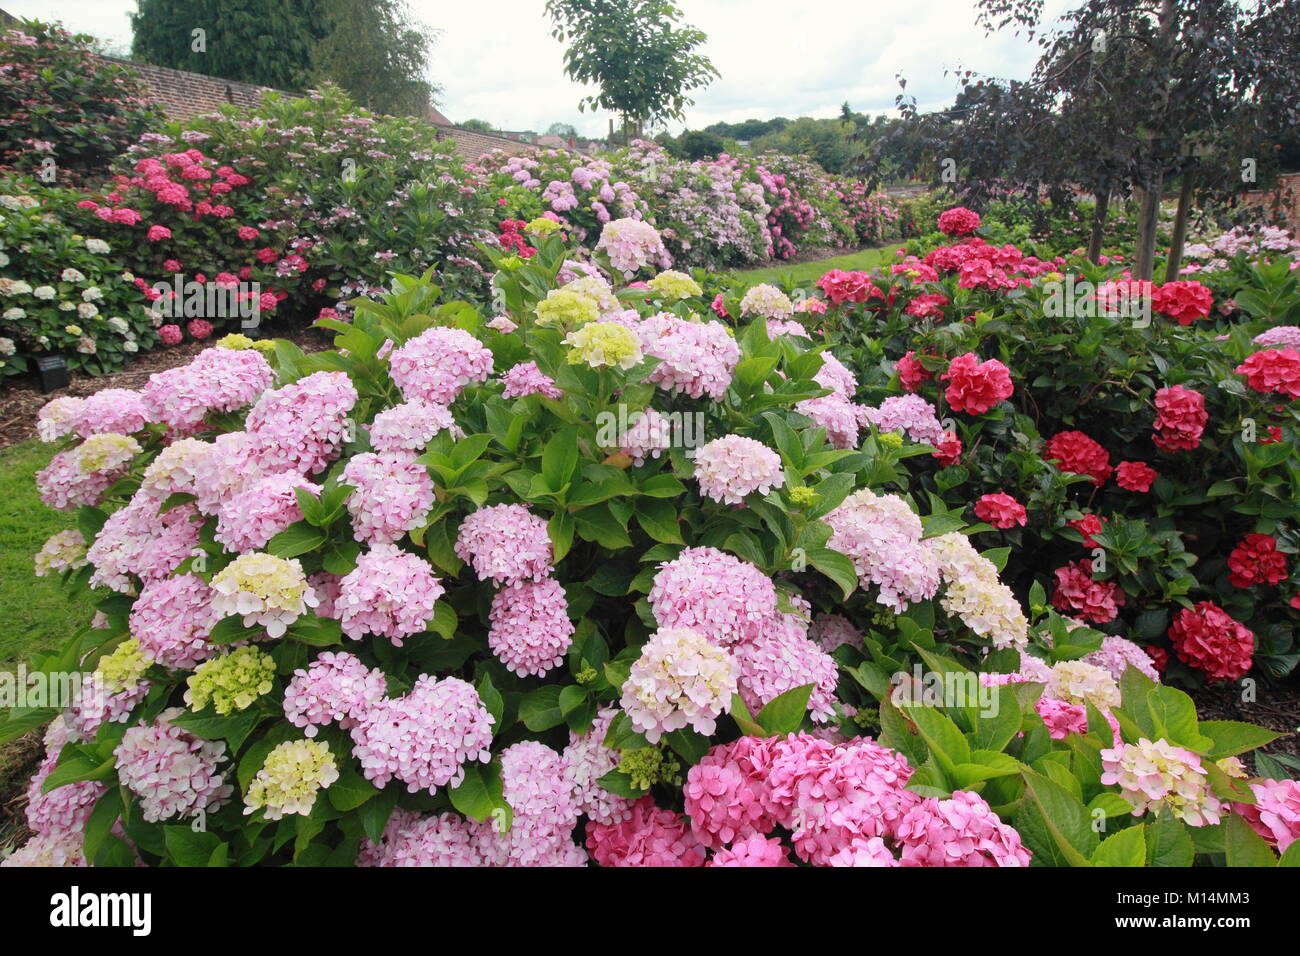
[(183, 95), (1283, 202)]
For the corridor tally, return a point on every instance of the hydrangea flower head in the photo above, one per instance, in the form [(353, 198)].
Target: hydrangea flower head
[(265, 590), (680, 679)]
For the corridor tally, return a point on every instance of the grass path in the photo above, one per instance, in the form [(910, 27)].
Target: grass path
[(803, 272), (34, 613)]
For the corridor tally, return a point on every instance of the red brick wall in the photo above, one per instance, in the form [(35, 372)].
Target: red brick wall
[(1283, 202)]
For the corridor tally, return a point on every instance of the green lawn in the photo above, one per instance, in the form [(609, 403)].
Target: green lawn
[(35, 614), (807, 271)]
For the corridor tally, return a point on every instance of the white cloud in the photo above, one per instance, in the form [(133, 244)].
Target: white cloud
[(497, 60)]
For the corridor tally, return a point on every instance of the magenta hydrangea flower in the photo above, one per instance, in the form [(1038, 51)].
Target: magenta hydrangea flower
[(731, 467), (960, 831), (648, 836), (410, 426), (436, 365), (172, 618), (302, 426), (390, 593), (505, 544), (425, 738), (724, 804), (753, 851), (869, 852), (1275, 815), (391, 495), (527, 379), (256, 513), (717, 594), (336, 689), (530, 629), (171, 772)]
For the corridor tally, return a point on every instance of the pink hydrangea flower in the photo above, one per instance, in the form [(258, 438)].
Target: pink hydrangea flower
[(506, 544), (391, 495), (390, 593), (436, 365), (726, 599), (530, 629), (336, 689), (731, 467)]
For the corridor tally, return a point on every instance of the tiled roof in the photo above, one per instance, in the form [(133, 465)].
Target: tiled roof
[(471, 145)]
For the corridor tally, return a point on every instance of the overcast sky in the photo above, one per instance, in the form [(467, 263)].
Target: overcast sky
[(495, 59)]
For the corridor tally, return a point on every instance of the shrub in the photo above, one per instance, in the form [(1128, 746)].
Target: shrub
[(60, 104), (1147, 449), (388, 615), (62, 292)]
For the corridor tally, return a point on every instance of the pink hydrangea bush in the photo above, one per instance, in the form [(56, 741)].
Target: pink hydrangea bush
[(451, 621)]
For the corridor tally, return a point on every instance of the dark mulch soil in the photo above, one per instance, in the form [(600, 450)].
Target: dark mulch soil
[(21, 398), (1276, 707), (18, 762)]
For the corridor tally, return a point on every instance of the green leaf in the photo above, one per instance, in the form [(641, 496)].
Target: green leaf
[(785, 712), (1174, 718), (1168, 842), (658, 517), (350, 791), (540, 709), (1245, 847), (837, 567), (1062, 816), (444, 620), (232, 728), (189, 848), (295, 540), (1126, 848), (480, 795), (947, 744), (740, 714), (1232, 737), (560, 458)]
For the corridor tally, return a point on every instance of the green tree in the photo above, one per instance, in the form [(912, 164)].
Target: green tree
[(376, 51), (643, 62), (267, 42), (477, 125), (567, 130)]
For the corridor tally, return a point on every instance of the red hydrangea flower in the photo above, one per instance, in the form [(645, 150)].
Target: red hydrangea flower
[(1256, 560), (1135, 476), (948, 451), (1097, 602), (170, 334), (911, 373), (1078, 453), (958, 221), (1159, 658), (1184, 301), (1000, 510), (1180, 418), (1208, 638), (927, 306), (841, 286), (974, 386), (1273, 370), (1087, 526)]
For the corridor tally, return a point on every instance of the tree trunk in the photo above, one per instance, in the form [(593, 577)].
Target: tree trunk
[(1099, 213), (1180, 227), (1148, 222)]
